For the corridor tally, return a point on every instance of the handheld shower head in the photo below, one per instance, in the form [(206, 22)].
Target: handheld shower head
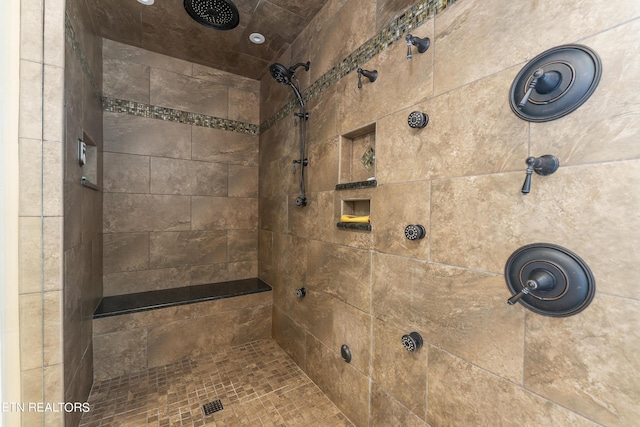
[(285, 76), (282, 74)]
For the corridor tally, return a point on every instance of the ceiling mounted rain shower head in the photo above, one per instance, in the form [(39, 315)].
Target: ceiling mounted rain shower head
[(216, 14)]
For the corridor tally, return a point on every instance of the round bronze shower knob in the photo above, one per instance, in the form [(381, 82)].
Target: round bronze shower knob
[(555, 83), (549, 280)]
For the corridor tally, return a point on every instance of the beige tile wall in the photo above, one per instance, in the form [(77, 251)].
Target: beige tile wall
[(180, 201), (128, 343), (40, 252), (484, 362)]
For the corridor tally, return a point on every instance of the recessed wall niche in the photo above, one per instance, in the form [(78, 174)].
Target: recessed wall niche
[(357, 155), (356, 207), (88, 160)]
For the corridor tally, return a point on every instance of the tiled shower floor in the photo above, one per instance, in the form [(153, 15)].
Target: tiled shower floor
[(258, 385)]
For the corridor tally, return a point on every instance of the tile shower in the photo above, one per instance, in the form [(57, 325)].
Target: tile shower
[(459, 177)]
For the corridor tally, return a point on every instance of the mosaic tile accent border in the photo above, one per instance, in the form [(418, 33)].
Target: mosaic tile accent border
[(413, 17), (140, 109)]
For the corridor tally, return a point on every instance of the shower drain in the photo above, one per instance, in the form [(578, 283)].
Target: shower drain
[(211, 407)]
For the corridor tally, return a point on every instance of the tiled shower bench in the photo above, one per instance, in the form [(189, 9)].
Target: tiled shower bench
[(149, 329)]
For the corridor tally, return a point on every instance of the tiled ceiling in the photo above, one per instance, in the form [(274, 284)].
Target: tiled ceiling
[(165, 27)]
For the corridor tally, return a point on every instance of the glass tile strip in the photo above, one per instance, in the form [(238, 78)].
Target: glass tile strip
[(141, 109), (413, 17)]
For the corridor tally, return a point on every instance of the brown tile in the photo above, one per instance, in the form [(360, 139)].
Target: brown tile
[(602, 129), (386, 10), (243, 106), (257, 383), (171, 176), (323, 166), (290, 335), (177, 249), (125, 173), (146, 280), (125, 252), (399, 374), (292, 255), (323, 117), (243, 270), (173, 341), (333, 25), (217, 213), (583, 362), (426, 298), (140, 135), (316, 311), (460, 53), (281, 140), (458, 394), (273, 213), (213, 145), (330, 267), (242, 245), (342, 383), (393, 208), (490, 139), (321, 223), (359, 107), (254, 323), (188, 94), (242, 302), (211, 273), (265, 247), (589, 224), (386, 411), (132, 213), (224, 78), (131, 54), (125, 80), (119, 353), (243, 181), (353, 327), (140, 320)]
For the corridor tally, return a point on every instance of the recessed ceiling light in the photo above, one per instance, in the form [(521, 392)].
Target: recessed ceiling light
[(146, 2), (256, 38)]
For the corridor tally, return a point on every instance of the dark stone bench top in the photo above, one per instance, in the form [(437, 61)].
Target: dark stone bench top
[(143, 301)]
